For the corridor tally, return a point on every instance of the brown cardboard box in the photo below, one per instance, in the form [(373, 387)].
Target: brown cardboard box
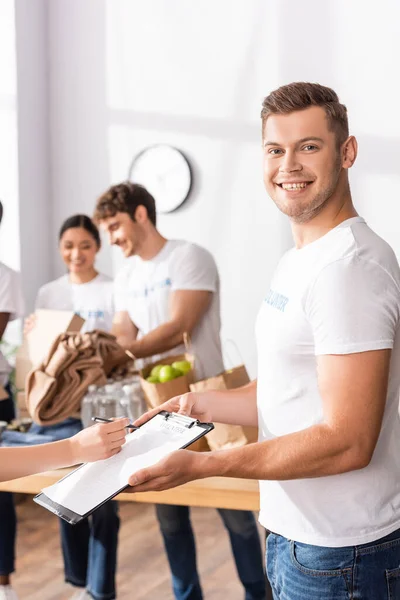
[(22, 411), (23, 365), (49, 324), (21, 401)]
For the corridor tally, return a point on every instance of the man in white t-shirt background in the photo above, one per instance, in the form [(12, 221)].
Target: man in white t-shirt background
[(166, 289), (327, 397)]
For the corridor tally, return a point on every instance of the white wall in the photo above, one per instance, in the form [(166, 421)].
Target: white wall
[(24, 136), (124, 74), (78, 113), (9, 233), (34, 163), (166, 81)]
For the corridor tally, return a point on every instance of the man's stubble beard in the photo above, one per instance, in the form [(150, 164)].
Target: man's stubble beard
[(317, 204)]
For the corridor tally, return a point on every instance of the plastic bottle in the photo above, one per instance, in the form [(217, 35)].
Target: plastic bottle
[(89, 406), (100, 396), (134, 395), (122, 402), (108, 402)]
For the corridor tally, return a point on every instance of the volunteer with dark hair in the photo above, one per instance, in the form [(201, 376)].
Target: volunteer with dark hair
[(11, 307), (89, 548), (167, 288), (83, 290)]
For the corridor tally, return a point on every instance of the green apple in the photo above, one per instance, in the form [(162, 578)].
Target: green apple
[(167, 373), (152, 379), (182, 365), (155, 372)]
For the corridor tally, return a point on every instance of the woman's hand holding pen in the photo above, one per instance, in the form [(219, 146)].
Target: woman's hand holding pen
[(99, 441)]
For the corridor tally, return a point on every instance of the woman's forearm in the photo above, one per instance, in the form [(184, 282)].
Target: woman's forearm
[(19, 462), (97, 442)]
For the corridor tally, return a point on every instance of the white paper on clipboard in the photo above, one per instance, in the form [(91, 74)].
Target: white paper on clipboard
[(93, 483)]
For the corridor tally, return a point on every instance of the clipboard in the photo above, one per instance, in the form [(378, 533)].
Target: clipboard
[(80, 493)]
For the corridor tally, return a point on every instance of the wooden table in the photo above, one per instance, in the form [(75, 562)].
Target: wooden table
[(214, 492)]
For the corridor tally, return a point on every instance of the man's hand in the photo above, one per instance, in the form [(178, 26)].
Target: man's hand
[(176, 469), (192, 404), (186, 310), (4, 318)]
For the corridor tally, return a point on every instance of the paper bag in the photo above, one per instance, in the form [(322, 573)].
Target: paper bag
[(158, 393), (227, 436)]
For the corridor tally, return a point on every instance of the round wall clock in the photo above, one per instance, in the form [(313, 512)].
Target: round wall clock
[(165, 172)]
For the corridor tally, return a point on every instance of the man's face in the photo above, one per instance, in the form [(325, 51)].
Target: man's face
[(123, 232), (302, 162)]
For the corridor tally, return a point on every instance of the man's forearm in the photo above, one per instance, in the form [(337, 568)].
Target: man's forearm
[(126, 333), (235, 407), (165, 337), (19, 462), (4, 318), (314, 452)]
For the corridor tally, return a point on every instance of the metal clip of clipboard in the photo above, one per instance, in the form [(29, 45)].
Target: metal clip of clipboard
[(182, 420)]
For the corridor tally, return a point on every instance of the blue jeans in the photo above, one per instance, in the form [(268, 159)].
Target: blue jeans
[(8, 520), (302, 572), (180, 546), (7, 407), (89, 548)]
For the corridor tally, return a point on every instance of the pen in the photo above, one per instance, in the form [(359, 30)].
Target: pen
[(101, 420)]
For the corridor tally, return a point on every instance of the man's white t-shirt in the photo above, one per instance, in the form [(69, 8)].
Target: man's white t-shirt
[(143, 288), (10, 302), (337, 295), (93, 301)]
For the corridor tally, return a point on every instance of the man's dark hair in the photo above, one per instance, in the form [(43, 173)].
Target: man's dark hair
[(301, 95), (125, 197)]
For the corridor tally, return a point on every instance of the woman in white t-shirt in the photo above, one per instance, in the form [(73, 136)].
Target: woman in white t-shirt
[(83, 289), (91, 546)]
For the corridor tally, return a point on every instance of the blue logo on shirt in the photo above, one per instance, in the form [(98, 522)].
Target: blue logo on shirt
[(276, 300), (144, 293), (91, 314)]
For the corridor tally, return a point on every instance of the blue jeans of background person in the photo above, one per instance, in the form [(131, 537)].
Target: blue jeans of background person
[(7, 407), (303, 572), (89, 548), (8, 520), (179, 543)]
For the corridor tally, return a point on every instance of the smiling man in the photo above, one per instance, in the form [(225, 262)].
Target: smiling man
[(326, 401)]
